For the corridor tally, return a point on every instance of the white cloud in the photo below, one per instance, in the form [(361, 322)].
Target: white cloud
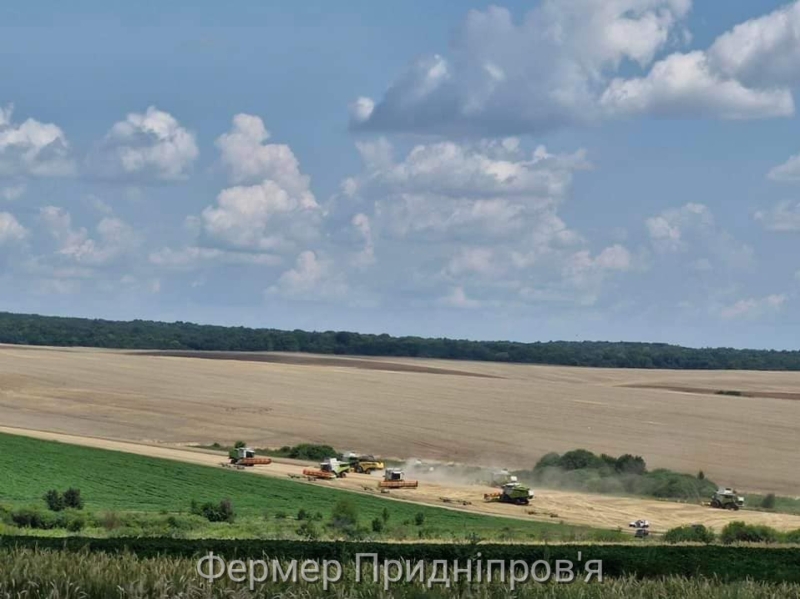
[(457, 298), (248, 159), (33, 148), (753, 307), (312, 278), (13, 192), (684, 85), (192, 257), (692, 227), (783, 218), (473, 215), (764, 51), (361, 109), (11, 231), (788, 171), (562, 65), (152, 144), (113, 238), (264, 217)]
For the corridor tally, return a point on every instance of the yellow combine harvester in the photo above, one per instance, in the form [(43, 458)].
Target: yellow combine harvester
[(363, 464)]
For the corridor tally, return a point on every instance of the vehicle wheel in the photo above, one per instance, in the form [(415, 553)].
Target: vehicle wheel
[(343, 475), (715, 503), (735, 507)]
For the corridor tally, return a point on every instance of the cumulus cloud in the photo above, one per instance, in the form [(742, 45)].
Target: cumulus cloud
[(783, 218), (562, 65), (248, 159), (145, 145), (692, 227), (788, 171), (457, 298), (764, 51), (312, 278), (113, 238), (13, 192), (32, 148), (11, 231), (481, 216), (684, 85), (753, 307)]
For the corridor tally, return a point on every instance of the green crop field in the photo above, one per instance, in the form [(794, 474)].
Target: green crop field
[(150, 490)]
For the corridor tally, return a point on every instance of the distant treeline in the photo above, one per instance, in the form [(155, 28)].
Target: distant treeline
[(141, 334)]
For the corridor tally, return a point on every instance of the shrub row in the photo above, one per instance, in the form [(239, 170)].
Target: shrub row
[(643, 561)]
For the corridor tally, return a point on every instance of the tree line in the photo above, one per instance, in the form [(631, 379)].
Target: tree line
[(31, 329)]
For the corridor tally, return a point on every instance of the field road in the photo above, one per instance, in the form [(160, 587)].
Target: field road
[(601, 511), (488, 414)]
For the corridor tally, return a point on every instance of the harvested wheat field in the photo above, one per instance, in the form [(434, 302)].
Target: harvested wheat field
[(496, 415)]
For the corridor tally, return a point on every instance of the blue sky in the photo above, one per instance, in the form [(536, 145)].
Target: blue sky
[(566, 169)]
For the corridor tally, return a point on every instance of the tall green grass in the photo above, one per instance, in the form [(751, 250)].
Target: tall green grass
[(46, 574)]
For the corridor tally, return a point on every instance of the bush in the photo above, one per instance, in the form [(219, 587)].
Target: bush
[(309, 451), (696, 533), (769, 501), (303, 515), (629, 464), (54, 500), (239, 444), (280, 515), (110, 521), (222, 512), (739, 532), (419, 519), (73, 499), (377, 525), (385, 515), (31, 518), (344, 515), (308, 531)]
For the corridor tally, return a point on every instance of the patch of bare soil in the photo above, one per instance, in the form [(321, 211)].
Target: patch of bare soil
[(311, 360), (718, 392)]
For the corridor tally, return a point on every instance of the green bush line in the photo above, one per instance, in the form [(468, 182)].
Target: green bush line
[(724, 563)]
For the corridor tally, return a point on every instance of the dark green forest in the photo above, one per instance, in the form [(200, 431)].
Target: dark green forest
[(32, 329)]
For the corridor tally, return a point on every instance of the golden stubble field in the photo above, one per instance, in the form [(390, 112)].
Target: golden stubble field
[(507, 415)]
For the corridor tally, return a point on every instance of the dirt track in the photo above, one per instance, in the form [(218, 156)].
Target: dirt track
[(415, 408), (600, 511)]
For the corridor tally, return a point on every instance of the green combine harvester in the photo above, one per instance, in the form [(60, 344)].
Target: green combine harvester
[(727, 499), (513, 492)]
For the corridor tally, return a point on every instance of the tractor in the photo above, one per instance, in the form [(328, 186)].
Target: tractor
[(727, 499), (513, 492)]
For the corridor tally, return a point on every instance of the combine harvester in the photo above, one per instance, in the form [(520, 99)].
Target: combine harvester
[(396, 479), (727, 499), (246, 456), (363, 464), (329, 469), (513, 492)]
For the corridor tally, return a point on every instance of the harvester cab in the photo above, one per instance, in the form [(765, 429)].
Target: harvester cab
[(727, 499)]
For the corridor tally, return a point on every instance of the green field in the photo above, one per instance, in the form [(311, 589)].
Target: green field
[(131, 494)]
